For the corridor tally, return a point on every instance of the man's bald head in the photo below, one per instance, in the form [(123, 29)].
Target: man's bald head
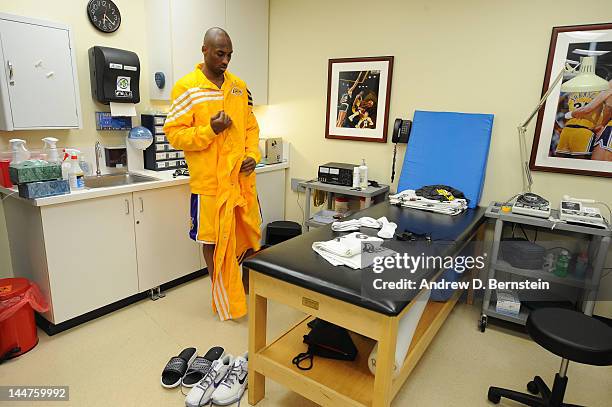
[(217, 50), (215, 34)]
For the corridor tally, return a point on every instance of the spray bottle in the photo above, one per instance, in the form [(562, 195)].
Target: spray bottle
[(50, 149), (19, 151), (66, 165), (76, 176)]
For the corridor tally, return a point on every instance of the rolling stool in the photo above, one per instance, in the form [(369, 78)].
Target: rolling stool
[(570, 335)]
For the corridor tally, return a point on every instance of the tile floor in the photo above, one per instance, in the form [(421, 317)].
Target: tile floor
[(116, 360)]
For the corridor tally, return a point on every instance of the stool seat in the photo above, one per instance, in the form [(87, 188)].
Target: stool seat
[(571, 335)]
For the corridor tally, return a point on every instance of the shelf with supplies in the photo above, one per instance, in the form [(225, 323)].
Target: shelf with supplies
[(587, 281), (160, 155), (521, 318), (369, 194), (570, 280)]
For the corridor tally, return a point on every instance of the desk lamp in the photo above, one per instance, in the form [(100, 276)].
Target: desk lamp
[(585, 81)]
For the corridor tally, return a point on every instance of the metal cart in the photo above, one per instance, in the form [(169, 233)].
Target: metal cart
[(599, 244)]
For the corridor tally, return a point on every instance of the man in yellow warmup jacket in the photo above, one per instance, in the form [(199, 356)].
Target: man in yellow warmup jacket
[(211, 119)]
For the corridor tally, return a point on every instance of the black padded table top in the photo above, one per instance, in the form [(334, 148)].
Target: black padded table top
[(295, 262)]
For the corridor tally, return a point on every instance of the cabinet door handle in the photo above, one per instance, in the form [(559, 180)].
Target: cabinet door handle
[(141, 205), (9, 65), (127, 207)]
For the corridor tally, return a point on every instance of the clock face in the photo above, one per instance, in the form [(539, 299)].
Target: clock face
[(104, 15)]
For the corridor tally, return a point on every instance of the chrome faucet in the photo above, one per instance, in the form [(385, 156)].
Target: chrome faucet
[(98, 155)]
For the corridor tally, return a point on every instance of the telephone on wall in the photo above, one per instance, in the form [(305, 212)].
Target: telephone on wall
[(401, 131), (401, 134)]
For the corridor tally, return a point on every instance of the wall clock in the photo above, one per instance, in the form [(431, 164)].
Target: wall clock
[(104, 15)]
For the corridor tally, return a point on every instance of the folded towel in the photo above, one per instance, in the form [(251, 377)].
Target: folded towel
[(346, 250)]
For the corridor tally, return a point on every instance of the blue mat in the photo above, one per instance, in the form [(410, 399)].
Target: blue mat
[(448, 148)]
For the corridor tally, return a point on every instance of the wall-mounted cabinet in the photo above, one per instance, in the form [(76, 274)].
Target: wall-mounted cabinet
[(176, 28), (38, 78)]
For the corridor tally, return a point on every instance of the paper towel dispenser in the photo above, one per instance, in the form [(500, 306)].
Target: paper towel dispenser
[(114, 74)]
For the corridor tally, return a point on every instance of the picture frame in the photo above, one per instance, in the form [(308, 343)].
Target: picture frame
[(358, 94), (573, 130)]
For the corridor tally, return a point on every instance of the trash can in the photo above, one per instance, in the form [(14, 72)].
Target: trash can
[(18, 300), (281, 230)]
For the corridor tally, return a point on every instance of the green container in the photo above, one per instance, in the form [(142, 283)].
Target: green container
[(562, 265), (32, 171)]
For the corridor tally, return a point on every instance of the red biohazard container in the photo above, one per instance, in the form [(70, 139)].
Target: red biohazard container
[(5, 179), (17, 326)]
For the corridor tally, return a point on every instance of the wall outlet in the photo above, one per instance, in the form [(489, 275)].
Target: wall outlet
[(294, 185)]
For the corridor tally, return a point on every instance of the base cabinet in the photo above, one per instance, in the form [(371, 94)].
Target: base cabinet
[(164, 250), (90, 250), (90, 253)]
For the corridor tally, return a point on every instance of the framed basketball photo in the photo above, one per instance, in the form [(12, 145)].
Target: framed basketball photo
[(358, 92), (574, 129)]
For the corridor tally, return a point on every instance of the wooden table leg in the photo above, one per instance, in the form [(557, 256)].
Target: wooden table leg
[(384, 363), (258, 315), (478, 251)]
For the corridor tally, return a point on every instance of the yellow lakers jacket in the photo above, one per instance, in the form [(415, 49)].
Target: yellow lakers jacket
[(214, 162)]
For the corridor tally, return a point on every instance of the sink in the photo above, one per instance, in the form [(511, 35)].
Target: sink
[(114, 180)]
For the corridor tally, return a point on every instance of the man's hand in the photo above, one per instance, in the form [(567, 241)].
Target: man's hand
[(220, 122), (248, 165)]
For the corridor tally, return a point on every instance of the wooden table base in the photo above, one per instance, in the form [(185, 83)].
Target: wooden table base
[(333, 382)]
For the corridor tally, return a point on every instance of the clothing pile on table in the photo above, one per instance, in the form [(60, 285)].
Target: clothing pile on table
[(356, 250), (432, 198)]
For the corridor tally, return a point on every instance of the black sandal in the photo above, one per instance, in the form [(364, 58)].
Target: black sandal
[(176, 367)]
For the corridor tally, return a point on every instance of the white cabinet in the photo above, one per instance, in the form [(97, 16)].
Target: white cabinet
[(90, 251), (175, 32), (164, 250), (38, 79)]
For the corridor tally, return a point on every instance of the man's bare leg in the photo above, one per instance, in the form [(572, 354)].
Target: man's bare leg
[(209, 257)]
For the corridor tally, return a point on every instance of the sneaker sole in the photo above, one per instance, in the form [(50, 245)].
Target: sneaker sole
[(229, 401)]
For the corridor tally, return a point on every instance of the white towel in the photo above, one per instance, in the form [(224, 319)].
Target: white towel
[(387, 230), (355, 224), (346, 250)]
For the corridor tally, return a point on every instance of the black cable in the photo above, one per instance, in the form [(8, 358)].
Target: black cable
[(393, 166), (524, 233)]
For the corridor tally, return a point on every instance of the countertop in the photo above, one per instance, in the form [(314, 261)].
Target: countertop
[(164, 179)]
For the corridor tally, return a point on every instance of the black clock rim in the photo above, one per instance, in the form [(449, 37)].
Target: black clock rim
[(94, 24)]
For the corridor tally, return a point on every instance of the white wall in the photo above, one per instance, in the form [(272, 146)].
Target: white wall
[(469, 56)]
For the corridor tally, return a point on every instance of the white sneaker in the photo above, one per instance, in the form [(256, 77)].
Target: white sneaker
[(201, 393), (234, 383)]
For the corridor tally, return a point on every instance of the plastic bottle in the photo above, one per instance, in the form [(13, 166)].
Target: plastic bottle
[(76, 176), (356, 176), (66, 165), (84, 164), (50, 149), (562, 264), (19, 151), (582, 263), (363, 174)]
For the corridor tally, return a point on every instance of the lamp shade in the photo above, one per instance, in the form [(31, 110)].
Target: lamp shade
[(586, 80)]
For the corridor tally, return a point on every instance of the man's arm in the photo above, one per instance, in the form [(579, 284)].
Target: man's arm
[(596, 103), (179, 128), (252, 134)]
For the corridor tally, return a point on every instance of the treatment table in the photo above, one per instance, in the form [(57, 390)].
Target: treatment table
[(293, 274)]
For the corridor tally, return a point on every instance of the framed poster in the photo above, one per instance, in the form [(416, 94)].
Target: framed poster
[(358, 91), (573, 131)]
